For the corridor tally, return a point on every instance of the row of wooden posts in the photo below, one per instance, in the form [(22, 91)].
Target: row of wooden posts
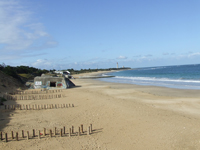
[(31, 97), (50, 133), (36, 92), (35, 107)]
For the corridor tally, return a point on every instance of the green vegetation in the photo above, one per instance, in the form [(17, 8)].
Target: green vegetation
[(27, 76), (22, 73), (2, 100)]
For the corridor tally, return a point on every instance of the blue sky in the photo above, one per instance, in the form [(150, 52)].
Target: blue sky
[(84, 34)]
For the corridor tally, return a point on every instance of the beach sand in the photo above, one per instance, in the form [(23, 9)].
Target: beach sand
[(123, 116)]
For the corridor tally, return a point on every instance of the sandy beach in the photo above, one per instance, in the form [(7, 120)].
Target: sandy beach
[(123, 117)]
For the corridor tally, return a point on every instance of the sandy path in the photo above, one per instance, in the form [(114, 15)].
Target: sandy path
[(123, 117)]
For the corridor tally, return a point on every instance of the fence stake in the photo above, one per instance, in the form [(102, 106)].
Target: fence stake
[(72, 129), (12, 136), (27, 135), (33, 132), (60, 132), (90, 128), (55, 130), (81, 128), (39, 134), (70, 132), (6, 137), (22, 133), (44, 132), (16, 136), (1, 136), (79, 131), (64, 130), (50, 133), (88, 131)]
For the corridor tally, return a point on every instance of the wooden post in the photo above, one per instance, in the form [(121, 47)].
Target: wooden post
[(88, 131), (1, 136), (72, 129), (82, 128), (44, 132), (55, 130), (27, 135), (39, 134), (26, 107), (70, 132), (22, 133), (38, 106), (90, 128), (33, 132), (69, 105), (79, 131), (12, 135), (6, 137), (50, 133), (64, 130), (16, 136), (66, 106), (32, 107), (61, 132), (72, 105)]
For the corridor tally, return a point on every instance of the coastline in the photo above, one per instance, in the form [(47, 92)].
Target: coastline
[(124, 116)]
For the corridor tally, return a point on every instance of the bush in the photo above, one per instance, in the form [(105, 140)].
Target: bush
[(2, 100)]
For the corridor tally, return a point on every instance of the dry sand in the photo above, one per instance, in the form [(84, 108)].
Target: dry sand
[(124, 117)]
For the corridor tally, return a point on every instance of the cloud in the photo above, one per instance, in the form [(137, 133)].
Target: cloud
[(194, 54), (19, 34), (122, 57)]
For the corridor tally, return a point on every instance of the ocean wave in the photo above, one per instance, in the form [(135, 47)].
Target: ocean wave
[(157, 79)]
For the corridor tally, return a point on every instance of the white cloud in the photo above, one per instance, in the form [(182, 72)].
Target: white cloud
[(18, 31), (122, 57), (194, 54)]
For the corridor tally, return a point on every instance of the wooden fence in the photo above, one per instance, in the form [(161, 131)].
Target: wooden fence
[(35, 106), (35, 92), (5, 137), (31, 97)]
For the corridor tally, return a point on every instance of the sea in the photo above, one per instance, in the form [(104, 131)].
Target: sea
[(179, 77)]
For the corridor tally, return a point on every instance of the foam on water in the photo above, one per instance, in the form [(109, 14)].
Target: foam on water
[(182, 77)]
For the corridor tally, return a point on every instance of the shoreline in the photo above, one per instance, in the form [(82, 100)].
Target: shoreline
[(124, 116), (147, 88)]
